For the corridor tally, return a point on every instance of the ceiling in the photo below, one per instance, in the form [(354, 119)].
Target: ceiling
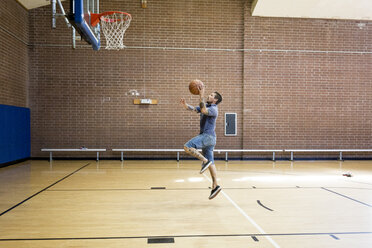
[(324, 9), (32, 4)]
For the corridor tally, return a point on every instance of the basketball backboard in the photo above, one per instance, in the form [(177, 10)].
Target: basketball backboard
[(80, 15)]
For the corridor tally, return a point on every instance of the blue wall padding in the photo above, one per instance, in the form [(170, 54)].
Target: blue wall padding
[(15, 138)]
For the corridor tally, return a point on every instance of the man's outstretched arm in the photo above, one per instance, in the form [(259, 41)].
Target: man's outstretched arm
[(187, 106)]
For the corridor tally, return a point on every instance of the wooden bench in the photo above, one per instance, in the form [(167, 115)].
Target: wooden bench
[(182, 150), (71, 150), (292, 151), (226, 151)]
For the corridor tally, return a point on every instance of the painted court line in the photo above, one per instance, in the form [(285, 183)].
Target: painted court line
[(189, 236), (246, 216), (334, 192), (247, 188), (45, 189), (259, 203)]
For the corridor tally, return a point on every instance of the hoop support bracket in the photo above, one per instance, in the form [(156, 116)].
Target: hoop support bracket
[(55, 14)]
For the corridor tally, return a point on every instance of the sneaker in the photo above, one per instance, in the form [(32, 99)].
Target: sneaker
[(205, 166), (215, 192)]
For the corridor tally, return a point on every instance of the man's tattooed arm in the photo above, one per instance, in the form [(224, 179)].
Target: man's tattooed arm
[(203, 109)]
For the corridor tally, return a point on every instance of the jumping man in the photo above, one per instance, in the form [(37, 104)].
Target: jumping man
[(206, 140)]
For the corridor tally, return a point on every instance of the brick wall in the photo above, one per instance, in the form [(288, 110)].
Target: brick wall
[(291, 94), (69, 88), (13, 54), (297, 94)]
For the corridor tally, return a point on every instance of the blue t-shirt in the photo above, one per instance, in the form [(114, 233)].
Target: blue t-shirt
[(208, 122)]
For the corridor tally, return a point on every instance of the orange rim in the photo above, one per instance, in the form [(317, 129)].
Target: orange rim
[(96, 18)]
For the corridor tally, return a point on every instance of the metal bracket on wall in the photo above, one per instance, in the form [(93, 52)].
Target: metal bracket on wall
[(55, 15)]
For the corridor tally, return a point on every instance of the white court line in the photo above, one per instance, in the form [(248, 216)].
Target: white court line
[(247, 216)]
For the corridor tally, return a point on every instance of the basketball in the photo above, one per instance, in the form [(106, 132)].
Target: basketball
[(193, 86)]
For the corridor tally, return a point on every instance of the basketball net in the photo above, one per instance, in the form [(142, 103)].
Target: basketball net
[(114, 24)]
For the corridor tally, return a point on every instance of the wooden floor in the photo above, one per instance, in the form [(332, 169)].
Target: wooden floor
[(111, 204)]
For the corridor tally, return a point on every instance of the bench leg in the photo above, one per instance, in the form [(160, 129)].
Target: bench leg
[(97, 156), (273, 156), (226, 158), (122, 158), (291, 156), (178, 156)]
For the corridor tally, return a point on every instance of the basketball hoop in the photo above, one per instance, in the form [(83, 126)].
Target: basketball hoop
[(114, 24)]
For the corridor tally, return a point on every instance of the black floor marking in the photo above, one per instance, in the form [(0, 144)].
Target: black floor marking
[(255, 238), (333, 236), (157, 187), (259, 202), (347, 197), (254, 187), (193, 236), (43, 190), (160, 240)]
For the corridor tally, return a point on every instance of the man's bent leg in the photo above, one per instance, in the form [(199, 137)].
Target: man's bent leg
[(191, 148), (195, 153)]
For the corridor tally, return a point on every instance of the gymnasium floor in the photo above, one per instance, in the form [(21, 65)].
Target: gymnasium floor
[(112, 204)]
